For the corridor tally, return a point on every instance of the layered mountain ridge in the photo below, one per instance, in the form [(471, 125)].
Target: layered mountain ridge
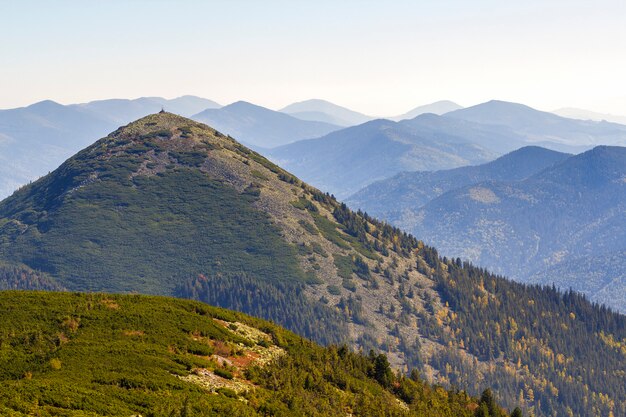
[(408, 191), (345, 161), (261, 127), (539, 219), (325, 111), (543, 128)]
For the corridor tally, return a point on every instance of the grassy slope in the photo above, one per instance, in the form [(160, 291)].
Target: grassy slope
[(93, 226), (65, 354)]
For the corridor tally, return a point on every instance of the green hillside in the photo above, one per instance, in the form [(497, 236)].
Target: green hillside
[(95, 221), (68, 354), (168, 206)]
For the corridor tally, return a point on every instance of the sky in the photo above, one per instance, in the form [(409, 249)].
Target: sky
[(378, 57)]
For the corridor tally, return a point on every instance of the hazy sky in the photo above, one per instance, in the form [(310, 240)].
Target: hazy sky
[(378, 57)]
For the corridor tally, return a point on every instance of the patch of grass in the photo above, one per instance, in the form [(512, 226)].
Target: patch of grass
[(333, 290), (349, 285), (345, 266), (224, 373), (190, 158), (253, 190), (328, 229), (304, 204), (163, 133), (258, 174), (227, 392), (317, 248), (288, 178), (308, 227), (311, 278)]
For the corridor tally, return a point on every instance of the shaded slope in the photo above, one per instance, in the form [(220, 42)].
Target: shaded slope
[(95, 203), (408, 191)]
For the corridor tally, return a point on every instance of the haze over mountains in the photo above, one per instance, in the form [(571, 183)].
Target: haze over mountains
[(574, 113), (35, 139), (438, 107), (325, 111), (169, 206), (342, 162), (533, 215), (122, 111), (261, 127), (347, 160), (543, 128)]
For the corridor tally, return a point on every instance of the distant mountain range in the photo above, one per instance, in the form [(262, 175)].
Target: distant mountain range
[(445, 129), (543, 128), (574, 113), (35, 139), (438, 107), (347, 160), (325, 111), (406, 192), (512, 216), (342, 162), (122, 111), (261, 127)]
